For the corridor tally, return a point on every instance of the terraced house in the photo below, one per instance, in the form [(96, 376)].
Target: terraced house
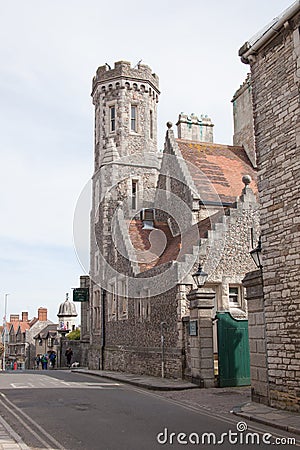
[(155, 217)]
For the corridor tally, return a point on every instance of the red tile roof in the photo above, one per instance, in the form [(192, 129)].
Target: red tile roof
[(175, 247), (221, 166)]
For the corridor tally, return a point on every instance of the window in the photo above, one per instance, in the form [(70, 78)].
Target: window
[(151, 124), (123, 300), (112, 117), (112, 305), (133, 118), (143, 306), (97, 262), (134, 189), (234, 296)]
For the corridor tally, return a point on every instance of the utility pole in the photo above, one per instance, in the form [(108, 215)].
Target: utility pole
[(5, 332)]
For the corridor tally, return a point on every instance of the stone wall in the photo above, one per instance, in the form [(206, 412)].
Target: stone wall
[(243, 124), (275, 82), (257, 337)]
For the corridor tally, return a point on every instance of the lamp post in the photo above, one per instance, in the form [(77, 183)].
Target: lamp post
[(199, 277), (257, 255), (5, 332)]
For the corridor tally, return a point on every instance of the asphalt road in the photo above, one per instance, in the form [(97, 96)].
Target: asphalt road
[(65, 410)]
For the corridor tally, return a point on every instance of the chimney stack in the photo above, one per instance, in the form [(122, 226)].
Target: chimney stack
[(193, 129), (24, 316), (42, 314), (14, 318)]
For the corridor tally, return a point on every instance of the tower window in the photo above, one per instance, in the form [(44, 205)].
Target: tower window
[(151, 124), (134, 188), (112, 116), (133, 117)]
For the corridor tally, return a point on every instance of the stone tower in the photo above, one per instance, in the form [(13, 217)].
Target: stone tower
[(126, 164)]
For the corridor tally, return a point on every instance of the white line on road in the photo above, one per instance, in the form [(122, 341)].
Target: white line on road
[(11, 408)]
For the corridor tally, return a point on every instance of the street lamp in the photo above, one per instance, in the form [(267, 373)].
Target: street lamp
[(5, 332), (257, 255), (200, 277)]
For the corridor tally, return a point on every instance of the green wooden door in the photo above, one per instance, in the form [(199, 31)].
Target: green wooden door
[(233, 351)]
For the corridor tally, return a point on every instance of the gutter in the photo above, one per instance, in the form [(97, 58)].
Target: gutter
[(247, 49)]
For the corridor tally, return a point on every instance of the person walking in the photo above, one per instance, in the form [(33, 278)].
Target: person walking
[(52, 359), (44, 361), (69, 354), (38, 361)]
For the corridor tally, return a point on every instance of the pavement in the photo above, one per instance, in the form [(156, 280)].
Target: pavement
[(236, 400)]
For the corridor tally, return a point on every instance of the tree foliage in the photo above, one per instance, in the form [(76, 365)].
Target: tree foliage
[(74, 335)]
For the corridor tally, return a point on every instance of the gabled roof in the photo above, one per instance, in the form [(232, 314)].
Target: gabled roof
[(23, 326), (49, 330), (221, 166)]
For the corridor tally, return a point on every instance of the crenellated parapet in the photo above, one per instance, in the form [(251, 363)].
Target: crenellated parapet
[(123, 76)]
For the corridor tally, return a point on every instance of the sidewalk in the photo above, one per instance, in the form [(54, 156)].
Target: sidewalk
[(9, 439), (210, 399)]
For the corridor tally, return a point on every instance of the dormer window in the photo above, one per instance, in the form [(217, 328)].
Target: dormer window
[(148, 217)]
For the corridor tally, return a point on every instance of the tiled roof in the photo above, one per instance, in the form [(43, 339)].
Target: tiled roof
[(18, 323), (175, 246), (146, 256), (221, 166)]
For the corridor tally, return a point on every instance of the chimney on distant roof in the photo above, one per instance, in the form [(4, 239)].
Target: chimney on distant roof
[(14, 318), (24, 316), (194, 129), (42, 314)]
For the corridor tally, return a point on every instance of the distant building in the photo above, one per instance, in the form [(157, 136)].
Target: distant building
[(67, 315), (20, 344), (273, 292)]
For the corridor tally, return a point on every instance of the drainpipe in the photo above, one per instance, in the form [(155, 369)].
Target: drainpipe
[(162, 337), (102, 342)]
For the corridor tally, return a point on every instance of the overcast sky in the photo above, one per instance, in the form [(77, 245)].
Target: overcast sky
[(49, 52)]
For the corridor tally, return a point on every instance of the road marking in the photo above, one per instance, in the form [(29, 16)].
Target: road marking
[(21, 385), (57, 384), (11, 408)]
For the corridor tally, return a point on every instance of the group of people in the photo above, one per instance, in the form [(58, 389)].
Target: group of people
[(45, 359), (50, 358)]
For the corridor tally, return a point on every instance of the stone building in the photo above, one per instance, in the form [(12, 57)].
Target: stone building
[(274, 292), (21, 332), (154, 218)]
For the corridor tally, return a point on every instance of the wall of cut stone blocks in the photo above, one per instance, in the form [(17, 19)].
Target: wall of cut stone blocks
[(275, 84)]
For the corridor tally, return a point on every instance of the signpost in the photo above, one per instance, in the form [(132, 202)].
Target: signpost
[(80, 295)]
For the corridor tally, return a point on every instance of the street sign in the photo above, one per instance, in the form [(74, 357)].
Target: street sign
[(193, 328), (80, 295)]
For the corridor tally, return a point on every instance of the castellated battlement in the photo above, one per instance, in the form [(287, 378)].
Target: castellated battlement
[(138, 77), (195, 129)]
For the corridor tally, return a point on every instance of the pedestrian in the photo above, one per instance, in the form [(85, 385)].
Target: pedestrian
[(52, 359), (38, 361), (69, 355), (44, 361), (15, 365)]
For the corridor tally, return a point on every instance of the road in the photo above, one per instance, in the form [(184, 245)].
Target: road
[(65, 410)]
